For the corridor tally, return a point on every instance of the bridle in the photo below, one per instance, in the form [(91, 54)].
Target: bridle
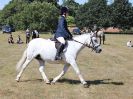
[(88, 45), (83, 43)]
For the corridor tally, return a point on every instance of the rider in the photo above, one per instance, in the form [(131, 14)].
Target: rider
[(62, 33)]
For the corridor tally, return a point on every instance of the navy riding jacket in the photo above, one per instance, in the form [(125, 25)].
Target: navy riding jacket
[(62, 30)]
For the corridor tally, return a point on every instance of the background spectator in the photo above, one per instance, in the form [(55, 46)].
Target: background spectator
[(27, 36), (10, 39), (35, 34), (19, 40), (129, 44)]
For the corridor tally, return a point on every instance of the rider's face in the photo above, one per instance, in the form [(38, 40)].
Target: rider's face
[(66, 14)]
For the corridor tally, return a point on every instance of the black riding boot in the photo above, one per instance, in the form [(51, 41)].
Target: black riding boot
[(59, 51)]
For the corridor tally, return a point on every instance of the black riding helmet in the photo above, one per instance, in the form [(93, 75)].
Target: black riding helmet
[(64, 10)]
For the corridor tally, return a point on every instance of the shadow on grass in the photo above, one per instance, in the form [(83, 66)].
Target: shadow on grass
[(94, 82), (32, 80), (70, 81)]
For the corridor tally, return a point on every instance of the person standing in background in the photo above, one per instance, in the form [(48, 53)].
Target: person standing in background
[(27, 36)]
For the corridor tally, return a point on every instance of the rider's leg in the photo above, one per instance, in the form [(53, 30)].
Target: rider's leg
[(60, 48)]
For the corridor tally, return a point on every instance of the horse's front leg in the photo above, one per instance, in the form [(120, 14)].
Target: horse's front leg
[(41, 69), (66, 66), (103, 38), (75, 67), (100, 39)]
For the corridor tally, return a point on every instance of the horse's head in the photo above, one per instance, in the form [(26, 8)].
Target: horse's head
[(92, 42)]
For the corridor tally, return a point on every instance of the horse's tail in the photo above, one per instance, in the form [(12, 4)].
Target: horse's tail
[(21, 61)]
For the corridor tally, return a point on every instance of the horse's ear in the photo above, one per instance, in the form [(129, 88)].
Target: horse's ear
[(90, 29), (92, 32)]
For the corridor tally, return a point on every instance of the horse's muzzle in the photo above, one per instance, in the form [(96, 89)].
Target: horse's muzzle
[(98, 50)]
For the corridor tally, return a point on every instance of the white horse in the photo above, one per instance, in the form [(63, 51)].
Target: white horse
[(101, 36), (44, 50)]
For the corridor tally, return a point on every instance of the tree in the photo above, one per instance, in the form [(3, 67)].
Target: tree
[(70, 20), (35, 15), (92, 13), (122, 14), (72, 6)]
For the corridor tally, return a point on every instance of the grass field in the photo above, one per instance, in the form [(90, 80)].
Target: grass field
[(109, 73)]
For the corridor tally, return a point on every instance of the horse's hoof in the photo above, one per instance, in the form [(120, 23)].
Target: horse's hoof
[(17, 80), (48, 83), (86, 85), (52, 82)]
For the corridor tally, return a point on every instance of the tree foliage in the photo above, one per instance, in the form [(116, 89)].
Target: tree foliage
[(72, 6), (43, 14), (35, 15), (70, 20), (97, 12), (92, 13), (122, 14)]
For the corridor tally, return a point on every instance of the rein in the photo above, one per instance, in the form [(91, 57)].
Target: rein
[(93, 47), (82, 43)]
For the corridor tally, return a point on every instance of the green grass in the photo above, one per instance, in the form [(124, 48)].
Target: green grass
[(110, 73)]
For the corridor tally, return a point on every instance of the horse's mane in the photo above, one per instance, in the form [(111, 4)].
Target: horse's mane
[(80, 36)]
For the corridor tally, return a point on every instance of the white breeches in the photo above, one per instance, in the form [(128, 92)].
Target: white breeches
[(61, 39)]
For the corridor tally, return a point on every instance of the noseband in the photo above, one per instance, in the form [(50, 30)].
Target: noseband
[(93, 45)]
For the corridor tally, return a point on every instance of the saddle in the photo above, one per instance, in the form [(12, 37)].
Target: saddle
[(57, 43)]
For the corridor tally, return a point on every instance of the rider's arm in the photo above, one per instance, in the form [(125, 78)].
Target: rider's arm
[(63, 24)]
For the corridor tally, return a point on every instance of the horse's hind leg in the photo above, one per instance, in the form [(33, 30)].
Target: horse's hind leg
[(22, 69), (66, 66), (41, 69)]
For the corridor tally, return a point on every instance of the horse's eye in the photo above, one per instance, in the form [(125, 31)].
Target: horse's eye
[(95, 41)]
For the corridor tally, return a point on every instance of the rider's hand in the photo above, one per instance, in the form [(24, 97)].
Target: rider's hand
[(70, 37)]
